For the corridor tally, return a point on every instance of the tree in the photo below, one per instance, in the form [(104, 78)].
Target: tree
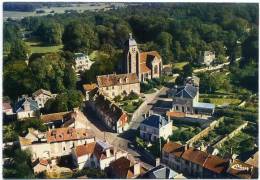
[(50, 33), (79, 36), (19, 51), (70, 78), (164, 41), (20, 167), (18, 75), (49, 71)]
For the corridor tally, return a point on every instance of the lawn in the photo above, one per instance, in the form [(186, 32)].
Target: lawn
[(180, 65), (221, 101), (131, 105), (37, 47)]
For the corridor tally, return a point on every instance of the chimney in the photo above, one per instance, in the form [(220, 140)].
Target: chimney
[(137, 169), (108, 153), (157, 162), (187, 146)]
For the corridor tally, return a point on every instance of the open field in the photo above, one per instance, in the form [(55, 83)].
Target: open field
[(36, 47), (59, 10)]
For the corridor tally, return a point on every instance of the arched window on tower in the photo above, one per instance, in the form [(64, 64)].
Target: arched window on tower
[(155, 69)]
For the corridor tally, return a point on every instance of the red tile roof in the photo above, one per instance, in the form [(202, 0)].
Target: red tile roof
[(53, 117), (195, 156), (216, 164), (89, 87), (67, 134), (117, 79), (173, 148), (121, 168), (85, 149), (175, 114), (145, 57)]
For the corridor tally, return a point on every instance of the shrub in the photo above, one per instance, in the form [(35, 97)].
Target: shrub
[(207, 100)]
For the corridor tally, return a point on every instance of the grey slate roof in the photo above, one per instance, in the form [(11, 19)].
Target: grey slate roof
[(187, 91), (156, 121), (21, 102), (160, 172)]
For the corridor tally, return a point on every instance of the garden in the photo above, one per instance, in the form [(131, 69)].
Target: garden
[(183, 131), (130, 102), (225, 127)]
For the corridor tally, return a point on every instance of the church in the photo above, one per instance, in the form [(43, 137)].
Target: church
[(146, 65)]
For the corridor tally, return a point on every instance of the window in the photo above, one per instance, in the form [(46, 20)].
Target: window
[(155, 70), (113, 87), (188, 109), (177, 108), (106, 88)]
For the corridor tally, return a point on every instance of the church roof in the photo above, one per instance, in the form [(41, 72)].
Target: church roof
[(131, 41), (145, 58)]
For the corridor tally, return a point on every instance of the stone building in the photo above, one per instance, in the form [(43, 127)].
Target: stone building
[(186, 100), (113, 85), (98, 154), (207, 57), (82, 62), (41, 96), (26, 107), (154, 127), (111, 114), (55, 142), (146, 65)]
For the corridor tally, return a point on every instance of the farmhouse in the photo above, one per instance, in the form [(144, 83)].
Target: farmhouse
[(113, 85)]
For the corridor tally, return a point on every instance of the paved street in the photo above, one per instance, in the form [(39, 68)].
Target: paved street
[(122, 140)]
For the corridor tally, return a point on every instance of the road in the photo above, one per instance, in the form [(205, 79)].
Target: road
[(121, 140)]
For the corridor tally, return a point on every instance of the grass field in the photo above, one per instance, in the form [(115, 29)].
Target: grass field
[(222, 101), (36, 47), (179, 65)]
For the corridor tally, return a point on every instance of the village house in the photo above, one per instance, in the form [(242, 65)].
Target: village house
[(113, 85), (186, 100), (63, 119), (206, 58), (41, 165), (194, 162), (125, 168), (87, 88), (26, 107), (98, 154), (154, 127), (146, 65), (82, 62), (41, 96), (55, 142), (112, 115)]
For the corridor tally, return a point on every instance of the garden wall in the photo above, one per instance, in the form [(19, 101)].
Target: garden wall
[(205, 131), (231, 135)]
